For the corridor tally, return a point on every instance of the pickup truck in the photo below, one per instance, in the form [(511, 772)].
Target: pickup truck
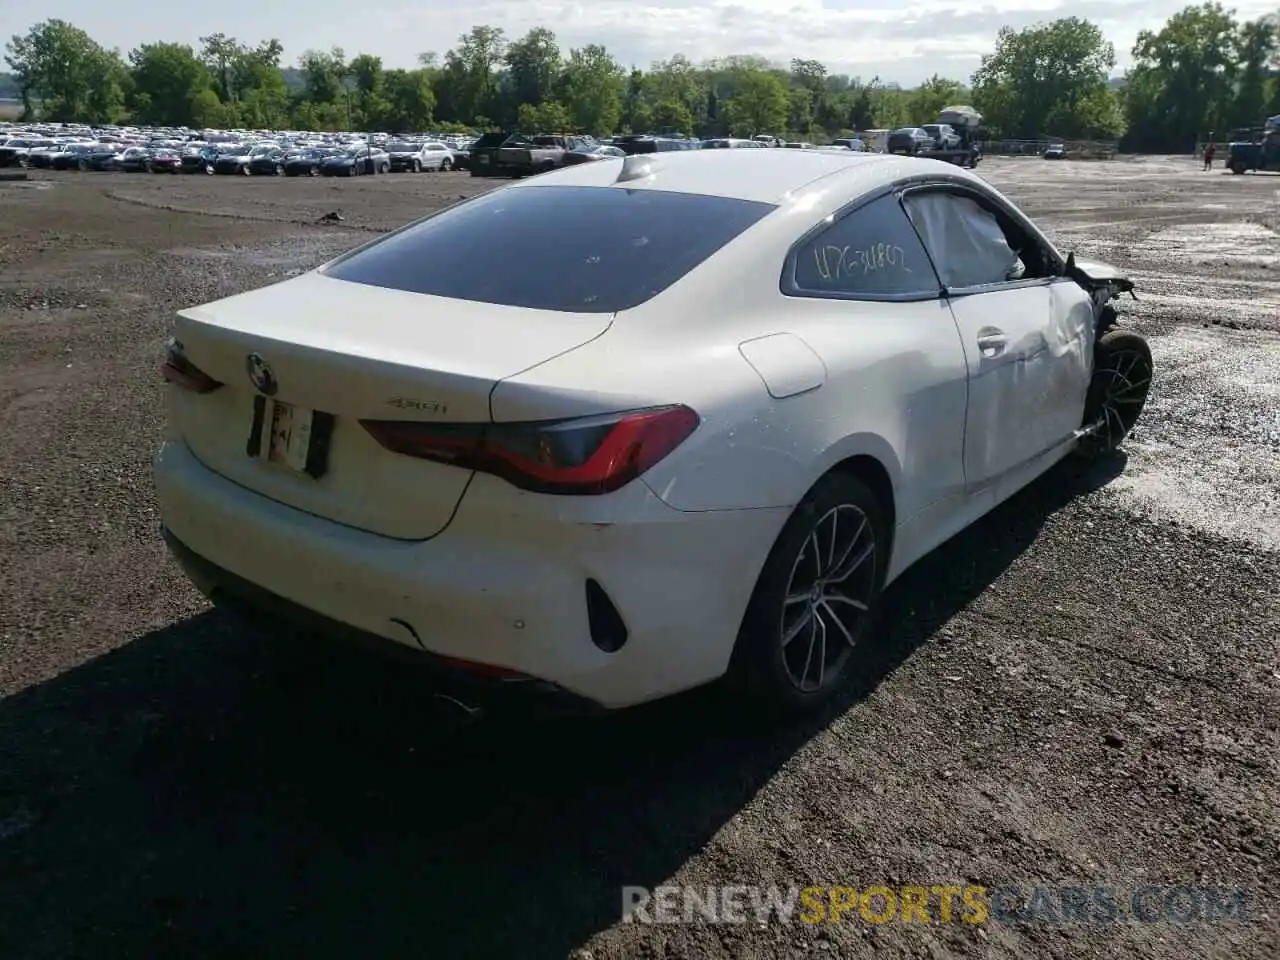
[(1255, 148), (535, 155)]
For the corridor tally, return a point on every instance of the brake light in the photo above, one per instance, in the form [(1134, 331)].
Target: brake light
[(583, 456), (178, 370)]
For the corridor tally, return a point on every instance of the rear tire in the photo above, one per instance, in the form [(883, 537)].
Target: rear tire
[(1118, 390), (812, 615)]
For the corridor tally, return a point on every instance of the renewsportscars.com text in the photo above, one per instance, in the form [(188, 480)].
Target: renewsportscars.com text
[(936, 904)]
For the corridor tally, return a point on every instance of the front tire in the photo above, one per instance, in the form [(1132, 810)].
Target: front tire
[(1122, 370), (810, 620), (446, 165)]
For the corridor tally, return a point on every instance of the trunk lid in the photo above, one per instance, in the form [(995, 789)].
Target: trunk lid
[(355, 351)]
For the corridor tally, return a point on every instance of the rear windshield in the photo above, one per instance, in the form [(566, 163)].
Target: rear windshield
[(574, 249)]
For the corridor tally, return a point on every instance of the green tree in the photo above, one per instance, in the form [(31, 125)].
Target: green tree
[(324, 74), (220, 54), (935, 95), (812, 106), (533, 66), (470, 72), (369, 106), (1042, 76), (167, 80), (1256, 44), (260, 86), (75, 78), (678, 83), (1183, 79), (410, 100), (592, 87), (759, 104), (671, 116), (637, 114), (545, 117)]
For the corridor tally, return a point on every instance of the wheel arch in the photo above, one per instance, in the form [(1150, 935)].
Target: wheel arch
[(873, 473), (867, 468)]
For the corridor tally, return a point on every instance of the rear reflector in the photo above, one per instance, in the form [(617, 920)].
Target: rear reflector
[(582, 456), (178, 370)]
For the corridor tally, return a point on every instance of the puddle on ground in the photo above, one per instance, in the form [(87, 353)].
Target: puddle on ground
[(1242, 244), (295, 256), (1207, 448), (26, 184)]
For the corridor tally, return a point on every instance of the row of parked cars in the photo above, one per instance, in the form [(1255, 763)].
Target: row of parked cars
[(264, 153), (137, 151), (515, 155)]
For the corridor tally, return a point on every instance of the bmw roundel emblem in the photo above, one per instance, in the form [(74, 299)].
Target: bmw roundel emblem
[(261, 375)]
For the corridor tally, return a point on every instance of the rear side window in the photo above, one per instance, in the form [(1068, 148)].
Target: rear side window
[(871, 252), (573, 249)]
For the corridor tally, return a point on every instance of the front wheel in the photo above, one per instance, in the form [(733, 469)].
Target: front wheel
[(1122, 371), (810, 620), (446, 166)]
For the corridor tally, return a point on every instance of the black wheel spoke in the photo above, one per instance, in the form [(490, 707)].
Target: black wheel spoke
[(828, 598)]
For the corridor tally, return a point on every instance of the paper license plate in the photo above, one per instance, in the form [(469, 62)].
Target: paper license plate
[(289, 441)]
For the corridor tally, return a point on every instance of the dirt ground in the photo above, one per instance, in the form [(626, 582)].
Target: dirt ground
[(1083, 690)]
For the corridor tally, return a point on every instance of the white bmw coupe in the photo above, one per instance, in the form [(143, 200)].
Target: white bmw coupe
[(629, 427)]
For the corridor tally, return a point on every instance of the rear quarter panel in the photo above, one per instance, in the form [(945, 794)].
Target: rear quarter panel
[(889, 393)]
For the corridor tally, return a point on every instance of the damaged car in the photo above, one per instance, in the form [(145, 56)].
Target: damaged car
[(552, 471)]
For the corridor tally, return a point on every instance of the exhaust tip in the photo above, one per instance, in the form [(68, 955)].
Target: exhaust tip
[(608, 631)]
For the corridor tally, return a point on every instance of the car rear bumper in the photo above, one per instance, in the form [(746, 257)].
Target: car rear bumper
[(470, 689), (504, 590)]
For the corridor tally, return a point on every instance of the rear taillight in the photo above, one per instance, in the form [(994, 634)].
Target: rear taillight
[(583, 456), (178, 370)]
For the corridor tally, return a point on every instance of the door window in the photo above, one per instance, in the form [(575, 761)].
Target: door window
[(973, 244), (872, 252)]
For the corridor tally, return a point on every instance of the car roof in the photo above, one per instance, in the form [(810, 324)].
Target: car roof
[(766, 176)]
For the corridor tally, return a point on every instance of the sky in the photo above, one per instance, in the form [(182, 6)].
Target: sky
[(885, 38)]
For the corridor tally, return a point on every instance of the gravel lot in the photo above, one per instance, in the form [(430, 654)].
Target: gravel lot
[(1082, 690)]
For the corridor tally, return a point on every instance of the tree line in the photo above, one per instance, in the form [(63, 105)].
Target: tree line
[(1204, 70)]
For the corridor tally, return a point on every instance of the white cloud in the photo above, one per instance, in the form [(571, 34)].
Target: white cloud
[(906, 44), (858, 37)]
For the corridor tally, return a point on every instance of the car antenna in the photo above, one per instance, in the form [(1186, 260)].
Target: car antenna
[(636, 167)]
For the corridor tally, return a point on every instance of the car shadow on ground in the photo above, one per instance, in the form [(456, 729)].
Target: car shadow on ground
[(204, 792)]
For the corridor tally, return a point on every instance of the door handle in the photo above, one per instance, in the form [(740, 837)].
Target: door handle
[(991, 342)]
